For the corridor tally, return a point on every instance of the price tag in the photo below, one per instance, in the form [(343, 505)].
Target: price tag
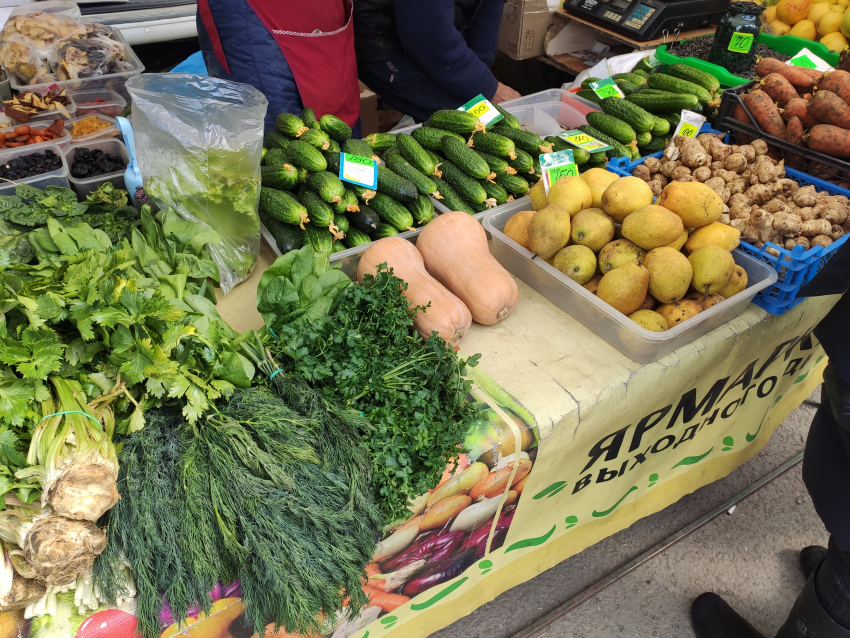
[(362, 171), (554, 166), (584, 141), (741, 42), (483, 109), (606, 88), (809, 60), (689, 124)]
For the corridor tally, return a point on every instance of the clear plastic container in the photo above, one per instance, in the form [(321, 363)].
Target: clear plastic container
[(111, 106), (67, 112), (111, 81), (84, 186), (7, 124), (111, 131), (59, 177), (625, 335), (64, 7), (551, 95)]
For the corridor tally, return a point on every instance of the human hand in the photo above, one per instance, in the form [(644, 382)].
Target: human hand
[(504, 93)]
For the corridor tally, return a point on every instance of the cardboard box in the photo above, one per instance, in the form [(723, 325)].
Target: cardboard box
[(376, 116), (523, 28)]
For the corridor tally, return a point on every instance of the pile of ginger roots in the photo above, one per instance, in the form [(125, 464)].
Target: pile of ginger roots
[(760, 201)]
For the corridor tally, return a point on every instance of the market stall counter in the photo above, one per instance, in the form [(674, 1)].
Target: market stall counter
[(616, 440)]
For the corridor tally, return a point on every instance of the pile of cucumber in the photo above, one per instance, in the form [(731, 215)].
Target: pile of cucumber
[(302, 199), (642, 123)]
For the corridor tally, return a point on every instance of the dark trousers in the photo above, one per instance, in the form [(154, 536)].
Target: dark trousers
[(826, 471), (406, 87)]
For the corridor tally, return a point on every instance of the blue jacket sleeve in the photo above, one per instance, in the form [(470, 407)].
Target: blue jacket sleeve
[(429, 36), (483, 35)]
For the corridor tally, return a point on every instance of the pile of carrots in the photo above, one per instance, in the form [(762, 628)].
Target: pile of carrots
[(24, 135), (801, 106)]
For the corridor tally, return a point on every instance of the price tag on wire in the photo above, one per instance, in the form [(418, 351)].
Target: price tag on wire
[(606, 88), (483, 109), (584, 141), (554, 166), (809, 60), (689, 124), (362, 171), (741, 42)]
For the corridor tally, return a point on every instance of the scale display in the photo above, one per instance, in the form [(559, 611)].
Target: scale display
[(648, 19)]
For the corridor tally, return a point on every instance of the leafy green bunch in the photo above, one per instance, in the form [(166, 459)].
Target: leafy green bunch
[(367, 356)]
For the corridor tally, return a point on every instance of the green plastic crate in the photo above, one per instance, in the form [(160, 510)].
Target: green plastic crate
[(787, 44)]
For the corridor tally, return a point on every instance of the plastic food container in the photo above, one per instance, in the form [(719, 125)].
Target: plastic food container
[(112, 81), (551, 95), (625, 335), (59, 177), (111, 106), (111, 131), (84, 186), (66, 113)]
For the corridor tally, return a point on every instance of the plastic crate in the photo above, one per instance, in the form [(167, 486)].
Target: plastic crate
[(787, 44), (552, 95), (797, 157), (794, 268), (625, 335)]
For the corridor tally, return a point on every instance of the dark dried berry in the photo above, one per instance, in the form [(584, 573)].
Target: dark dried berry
[(30, 165), (91, 163)]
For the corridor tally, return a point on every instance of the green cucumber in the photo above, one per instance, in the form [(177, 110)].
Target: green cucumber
[(523, 162), (660, 103), (302, 174), (380, 142), (497, 165), (335, 128), (316, 138), (332, 158), (433, 157), (655, 144), (514, 184), (392, 212), (415, 155), (557, 144), (286, 236), (401, 167), (495, 191), (358, 147), (320, 239), (341, 222), (460, 122), (509, 118), (643, 138), (384, 230), (673, 118), (585, 84), (396, 186), (308, 116), (493, 143), (304, 156), (696, 76), (347, 204), (612, 126), (282, 177), (273, 139), (356, 237), (641, 73), (422, 210), (334, 146), (326, 185), (633, 115), (588, 95), (480, 208), (618, 149), (451, 198), (273, 157), (467, 159), (319, 212), (364, 194), (525, 140), (282, 206), (644, 65), (661, 126), (630, 77), (290, 125), (664, 82), (365, 219), (468, 187), (628, 87), (432, 138), (338, 246)]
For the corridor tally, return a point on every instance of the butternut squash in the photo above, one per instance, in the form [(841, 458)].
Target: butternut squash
[(454, 247), (447, 315)]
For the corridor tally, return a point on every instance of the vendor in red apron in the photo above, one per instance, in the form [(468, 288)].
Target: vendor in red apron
[(297, 53)]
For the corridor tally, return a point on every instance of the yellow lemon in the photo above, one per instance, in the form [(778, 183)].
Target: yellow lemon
[(805, 29), (770, 12), (829, 23), (780, 27), (835, 42)]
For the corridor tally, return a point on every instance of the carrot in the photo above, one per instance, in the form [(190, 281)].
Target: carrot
[(831, 140), (827, 108), (764, 111), (372, 569), (779, 88), (740, 114), (385, 600), (801, 78), (838, 82), (794, 130), (797, 107)]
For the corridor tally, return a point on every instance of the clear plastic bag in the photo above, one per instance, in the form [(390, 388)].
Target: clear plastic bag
[(198, 142)]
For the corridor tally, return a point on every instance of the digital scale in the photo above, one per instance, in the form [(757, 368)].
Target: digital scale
[(643, 20)]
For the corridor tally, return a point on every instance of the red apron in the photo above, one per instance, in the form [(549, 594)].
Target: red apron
[(317, 39)]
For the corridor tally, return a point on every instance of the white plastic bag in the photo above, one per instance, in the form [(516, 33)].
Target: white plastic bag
[(198, 143), (606, 68)]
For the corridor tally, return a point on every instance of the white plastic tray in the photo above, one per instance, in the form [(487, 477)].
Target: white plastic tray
[(637, 343)]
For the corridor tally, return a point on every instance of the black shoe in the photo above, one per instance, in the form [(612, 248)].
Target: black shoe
[(712, 617), (808, 618), (810, 558)]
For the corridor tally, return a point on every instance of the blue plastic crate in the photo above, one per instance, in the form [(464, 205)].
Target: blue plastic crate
[(794, 267)]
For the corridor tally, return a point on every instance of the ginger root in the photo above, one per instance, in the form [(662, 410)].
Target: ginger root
[(759, 146), (642, 172), (653, 164), (718, 150), (694, 155), (787, 225), (760, 193), (702, 174), (815, 227), (821, 240), (736, 162)]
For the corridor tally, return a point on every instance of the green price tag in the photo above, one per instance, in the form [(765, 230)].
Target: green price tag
[(805, 61), (688, 130), (606, 88), (358, 170), (741, 42), (583, 140), (554, 166), (481, 108)]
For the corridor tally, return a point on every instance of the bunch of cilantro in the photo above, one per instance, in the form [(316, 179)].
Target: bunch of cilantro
[(367, 356)]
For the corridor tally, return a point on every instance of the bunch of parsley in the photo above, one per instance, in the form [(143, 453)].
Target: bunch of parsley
[(367, 356)]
